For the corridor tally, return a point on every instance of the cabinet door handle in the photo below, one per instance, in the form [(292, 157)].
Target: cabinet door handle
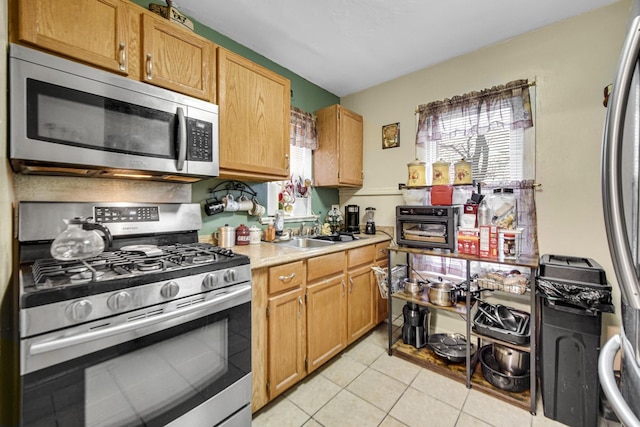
[(344, 288), (351, 281), (149, 67), (286, 157), (123, 57), (287, 278), (301, 305)]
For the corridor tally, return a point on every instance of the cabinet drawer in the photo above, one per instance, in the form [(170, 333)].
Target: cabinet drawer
[(286, 276), (381, 250), (325, 265), (360, 256)]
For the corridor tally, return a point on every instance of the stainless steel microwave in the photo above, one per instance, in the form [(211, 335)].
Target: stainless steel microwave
[(66, 118)]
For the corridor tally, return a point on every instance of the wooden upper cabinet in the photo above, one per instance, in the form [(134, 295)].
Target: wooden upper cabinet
[(338, 160), (254, 119), (91, 31), (177, 59)]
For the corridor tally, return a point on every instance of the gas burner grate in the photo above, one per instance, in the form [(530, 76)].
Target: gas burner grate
[(50, 272)]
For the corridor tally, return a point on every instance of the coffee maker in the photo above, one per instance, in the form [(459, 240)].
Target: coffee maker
[(370, 227), (353, 218), (415, 329)]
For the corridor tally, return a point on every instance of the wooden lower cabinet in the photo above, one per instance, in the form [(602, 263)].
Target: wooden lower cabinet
[(326, 308), (360, 296), (360, 303), (286, 332), (286, 341), (306, 312)]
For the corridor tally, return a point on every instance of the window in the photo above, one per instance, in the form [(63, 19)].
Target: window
[(486, 128), (297, 189)]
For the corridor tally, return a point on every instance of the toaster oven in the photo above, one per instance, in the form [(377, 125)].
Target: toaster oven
[(427, 226)]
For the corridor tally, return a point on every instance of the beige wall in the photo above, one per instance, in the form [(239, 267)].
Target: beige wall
[(571, 62)]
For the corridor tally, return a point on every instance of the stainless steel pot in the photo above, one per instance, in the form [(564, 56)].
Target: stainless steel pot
[(510, 360), (412, 286), (442, 293)]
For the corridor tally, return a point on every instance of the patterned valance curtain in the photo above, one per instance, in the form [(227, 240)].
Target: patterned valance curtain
[(303, 129), (481, 112)]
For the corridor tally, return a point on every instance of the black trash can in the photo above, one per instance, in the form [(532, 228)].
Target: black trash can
[(574, 292)]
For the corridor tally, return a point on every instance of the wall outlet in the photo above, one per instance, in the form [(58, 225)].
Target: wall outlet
[(335, 207)]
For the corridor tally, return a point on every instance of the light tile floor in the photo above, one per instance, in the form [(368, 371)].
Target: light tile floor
[(363, 386)]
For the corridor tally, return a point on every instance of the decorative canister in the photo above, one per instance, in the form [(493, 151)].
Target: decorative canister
[(255, 233), (462, 172), (225, 236), (242, 235), (416, 174), (440, 173)]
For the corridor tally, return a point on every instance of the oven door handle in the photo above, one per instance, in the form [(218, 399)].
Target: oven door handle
[(58, 344)]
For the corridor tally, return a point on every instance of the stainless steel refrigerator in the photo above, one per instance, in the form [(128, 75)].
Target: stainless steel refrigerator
[(620, 176)]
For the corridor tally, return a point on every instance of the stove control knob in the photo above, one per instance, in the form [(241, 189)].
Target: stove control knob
[(170, 290), (79, 310), (119, 301), (210, 281), (230, 276)]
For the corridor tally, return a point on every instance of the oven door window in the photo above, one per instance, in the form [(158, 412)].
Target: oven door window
[(431, 232), (72, 117), (147, 381)]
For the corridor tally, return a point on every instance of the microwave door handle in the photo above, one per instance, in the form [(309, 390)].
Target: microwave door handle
[(182, 139)]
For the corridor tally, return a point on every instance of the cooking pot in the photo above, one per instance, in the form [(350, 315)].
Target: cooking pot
[(510, 360), (80, 240), (492, 373), (442, 293), (413, 286)]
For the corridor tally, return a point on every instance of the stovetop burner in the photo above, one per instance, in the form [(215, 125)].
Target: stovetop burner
[(120, 269)]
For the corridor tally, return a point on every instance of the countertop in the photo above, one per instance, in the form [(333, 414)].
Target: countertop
[(268, 254)]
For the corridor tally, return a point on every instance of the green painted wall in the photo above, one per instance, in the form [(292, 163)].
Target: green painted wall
[(306, 96)]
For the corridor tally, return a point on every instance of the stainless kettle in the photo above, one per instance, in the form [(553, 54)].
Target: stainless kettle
[(80, 240)]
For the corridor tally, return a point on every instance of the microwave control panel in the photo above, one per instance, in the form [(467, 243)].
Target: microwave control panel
[(199, 140)]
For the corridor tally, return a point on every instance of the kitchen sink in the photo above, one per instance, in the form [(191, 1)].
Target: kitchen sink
[(305, 243)]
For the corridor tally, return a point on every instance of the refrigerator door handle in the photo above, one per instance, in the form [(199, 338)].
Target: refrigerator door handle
[(611, 169), (608, 383)]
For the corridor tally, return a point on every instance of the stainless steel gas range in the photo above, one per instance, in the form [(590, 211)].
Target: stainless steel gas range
[(154, 331)]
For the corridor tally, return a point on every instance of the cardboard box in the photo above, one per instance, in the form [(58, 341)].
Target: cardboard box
[(488, 241), (468, 241)]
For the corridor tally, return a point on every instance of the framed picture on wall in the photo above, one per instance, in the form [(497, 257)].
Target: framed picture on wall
[(391, 135)]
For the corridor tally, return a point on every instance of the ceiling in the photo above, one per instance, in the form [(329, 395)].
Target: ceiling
[(345, 46)]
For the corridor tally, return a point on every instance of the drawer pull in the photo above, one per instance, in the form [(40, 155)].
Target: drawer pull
[(287, 278)]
